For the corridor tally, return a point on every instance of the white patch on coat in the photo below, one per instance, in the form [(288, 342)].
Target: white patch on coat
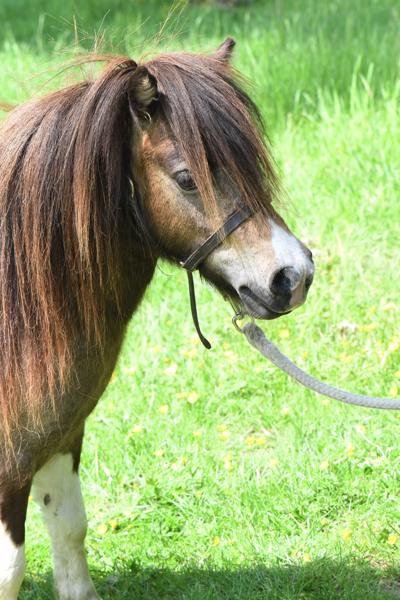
[(287, 248), (12, 566), (56, 487)]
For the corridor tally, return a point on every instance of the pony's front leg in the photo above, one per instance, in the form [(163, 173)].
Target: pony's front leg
[(13, 505), (56, 487)]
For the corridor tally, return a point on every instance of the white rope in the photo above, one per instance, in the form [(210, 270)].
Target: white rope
[(256, 338)]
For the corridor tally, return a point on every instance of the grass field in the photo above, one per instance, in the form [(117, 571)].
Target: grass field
[(209, 475)]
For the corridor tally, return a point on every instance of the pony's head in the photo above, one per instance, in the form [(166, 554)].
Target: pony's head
[(202, 156)]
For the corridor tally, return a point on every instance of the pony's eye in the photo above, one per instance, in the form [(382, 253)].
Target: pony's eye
[(185, 181)]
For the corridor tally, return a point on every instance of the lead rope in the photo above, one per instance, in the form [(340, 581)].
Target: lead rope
[(255, 336), (193, 308)]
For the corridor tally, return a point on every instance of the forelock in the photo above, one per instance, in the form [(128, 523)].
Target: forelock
[(216, 126)]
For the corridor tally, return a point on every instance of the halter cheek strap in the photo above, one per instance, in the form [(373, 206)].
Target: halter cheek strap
[(198, 256)]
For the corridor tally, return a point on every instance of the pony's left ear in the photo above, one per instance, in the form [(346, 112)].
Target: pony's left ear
[(144, 94), (225, 50)]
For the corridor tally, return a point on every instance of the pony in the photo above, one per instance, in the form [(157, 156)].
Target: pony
[(99, 181)]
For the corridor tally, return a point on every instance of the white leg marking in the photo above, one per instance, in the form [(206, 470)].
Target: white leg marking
[(57, 489), (12, 566)]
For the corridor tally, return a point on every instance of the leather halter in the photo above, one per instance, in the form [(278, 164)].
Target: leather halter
[(199, 255)]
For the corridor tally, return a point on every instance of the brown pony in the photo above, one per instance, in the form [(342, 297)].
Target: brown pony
[(97, 182)]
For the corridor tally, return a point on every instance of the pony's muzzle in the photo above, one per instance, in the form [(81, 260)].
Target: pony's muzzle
[(289, 285), (287, 289)]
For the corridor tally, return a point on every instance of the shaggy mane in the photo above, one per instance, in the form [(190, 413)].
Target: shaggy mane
[(66, 194)]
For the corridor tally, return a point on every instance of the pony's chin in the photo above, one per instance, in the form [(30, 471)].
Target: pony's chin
[(243, 300), (253, 306), (265, 314)]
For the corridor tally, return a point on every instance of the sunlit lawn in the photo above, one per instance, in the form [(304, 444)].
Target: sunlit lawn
[(207, 474)]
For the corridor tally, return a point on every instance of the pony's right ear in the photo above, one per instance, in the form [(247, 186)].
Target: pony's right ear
[(143, 95), (225, 50)]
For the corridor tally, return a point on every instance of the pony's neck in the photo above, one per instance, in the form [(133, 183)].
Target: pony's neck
[(136, 269)]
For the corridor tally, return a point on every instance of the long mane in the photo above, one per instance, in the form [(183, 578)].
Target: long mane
[(64, 184), (66, 193)]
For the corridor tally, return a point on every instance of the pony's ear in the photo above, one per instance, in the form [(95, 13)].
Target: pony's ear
[(225, 50), (143, 94)]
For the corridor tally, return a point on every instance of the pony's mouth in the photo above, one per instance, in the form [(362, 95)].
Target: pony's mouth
[(244, 299), (255, 307)]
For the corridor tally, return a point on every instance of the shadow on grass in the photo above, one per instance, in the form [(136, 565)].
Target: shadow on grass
[(320, 580)]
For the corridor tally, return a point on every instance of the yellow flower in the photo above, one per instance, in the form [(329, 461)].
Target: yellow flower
[(156, 349), (198, 493), (285, 410), (130, 370), (113, 524), (360, 428), (181, 395), (102, 529), (260, 440), (394, 390), (368, 327), (305, 354), (397, 374), (324, 466), (324, 521), (350, 449), (325, 402), (346, 534), (346, 358), (136, 429), (284, 333), (258, 369), (175, 466), (273, 463), (192, 397), (189, 353), (307, 557), (225, 435), (163, 409), (387, 306), (222, 427), (171, 370), (160, 452), (228, 464), (216, 541), (231, 355), (394, 344), (392, 539), (255, 440), (197, 433)]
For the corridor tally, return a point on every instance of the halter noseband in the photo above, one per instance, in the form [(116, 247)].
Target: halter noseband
[(199, 255)]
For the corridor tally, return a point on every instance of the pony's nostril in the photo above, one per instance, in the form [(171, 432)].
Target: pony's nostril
[(309, 280), (285, 281)]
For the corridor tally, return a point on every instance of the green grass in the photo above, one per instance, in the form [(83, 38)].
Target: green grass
[(261, 489)]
